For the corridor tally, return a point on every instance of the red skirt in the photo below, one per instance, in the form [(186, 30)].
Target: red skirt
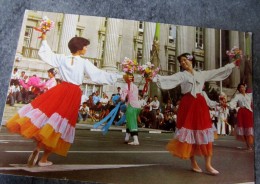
[(194, 131), (245, 125), (50, 118)]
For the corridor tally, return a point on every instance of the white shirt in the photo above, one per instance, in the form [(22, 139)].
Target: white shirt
[(155, 104), (193, 83), (104, 101), (74, 72), (50, 83), (15, 75), (242, 101)]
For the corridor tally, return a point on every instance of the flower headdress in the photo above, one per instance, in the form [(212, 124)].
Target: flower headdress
[(45, 25), (235, 54), (189, 57), (129, 66)]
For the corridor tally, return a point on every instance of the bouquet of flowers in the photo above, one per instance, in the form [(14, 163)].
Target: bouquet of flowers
[(45, 25), (148, 72), (129, 66), (235, 54)]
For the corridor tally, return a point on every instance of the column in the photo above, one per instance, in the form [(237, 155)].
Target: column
[(210, 51), (235, 75), (185, 41), (111, 45), (149, 30), (68, 31), (242, 46), (248, 60)]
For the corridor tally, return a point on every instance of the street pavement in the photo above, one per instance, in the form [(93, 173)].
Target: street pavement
[(99, 158)]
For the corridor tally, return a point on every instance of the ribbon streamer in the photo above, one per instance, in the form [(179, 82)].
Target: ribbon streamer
[(121, 121), (110, 118)]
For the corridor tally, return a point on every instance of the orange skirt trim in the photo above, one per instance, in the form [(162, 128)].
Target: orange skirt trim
[(184, 150), (45, 136)]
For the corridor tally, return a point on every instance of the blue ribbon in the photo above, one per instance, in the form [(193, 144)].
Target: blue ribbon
[(121, 121), (111, 116)]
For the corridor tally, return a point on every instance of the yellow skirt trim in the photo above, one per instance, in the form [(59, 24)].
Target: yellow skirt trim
[(184, 150), (45, 136)]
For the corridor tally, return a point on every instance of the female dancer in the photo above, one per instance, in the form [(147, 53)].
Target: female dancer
[(50, 119), (52, 81), (244, 128), (133, 109), (194, 132)]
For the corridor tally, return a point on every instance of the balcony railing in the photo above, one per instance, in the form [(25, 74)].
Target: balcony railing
[(30, 52)]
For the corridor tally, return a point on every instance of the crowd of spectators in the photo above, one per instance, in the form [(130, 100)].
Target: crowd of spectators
[(23, 89), (153, 115)]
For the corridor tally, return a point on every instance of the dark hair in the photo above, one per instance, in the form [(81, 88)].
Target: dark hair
[(186, 55), (52, 71), (77, 43), (240, 84)]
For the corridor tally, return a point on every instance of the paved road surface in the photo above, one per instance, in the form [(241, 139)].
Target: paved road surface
[(106, 159)]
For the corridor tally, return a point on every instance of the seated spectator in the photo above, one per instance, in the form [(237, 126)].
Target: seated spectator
[(83, 112), (169, 106), (96, 97), (14, 94), (159, 118), (146, 117), (104, 102), (169, 122)]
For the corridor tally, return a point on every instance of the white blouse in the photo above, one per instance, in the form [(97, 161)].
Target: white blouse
[(242, 101), (73, 68), (50, 83), (193, 83)]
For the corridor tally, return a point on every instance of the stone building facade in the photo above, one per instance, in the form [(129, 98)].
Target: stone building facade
[(113, 39)]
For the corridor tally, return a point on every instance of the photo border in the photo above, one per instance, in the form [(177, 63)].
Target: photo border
[(240, 15)]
